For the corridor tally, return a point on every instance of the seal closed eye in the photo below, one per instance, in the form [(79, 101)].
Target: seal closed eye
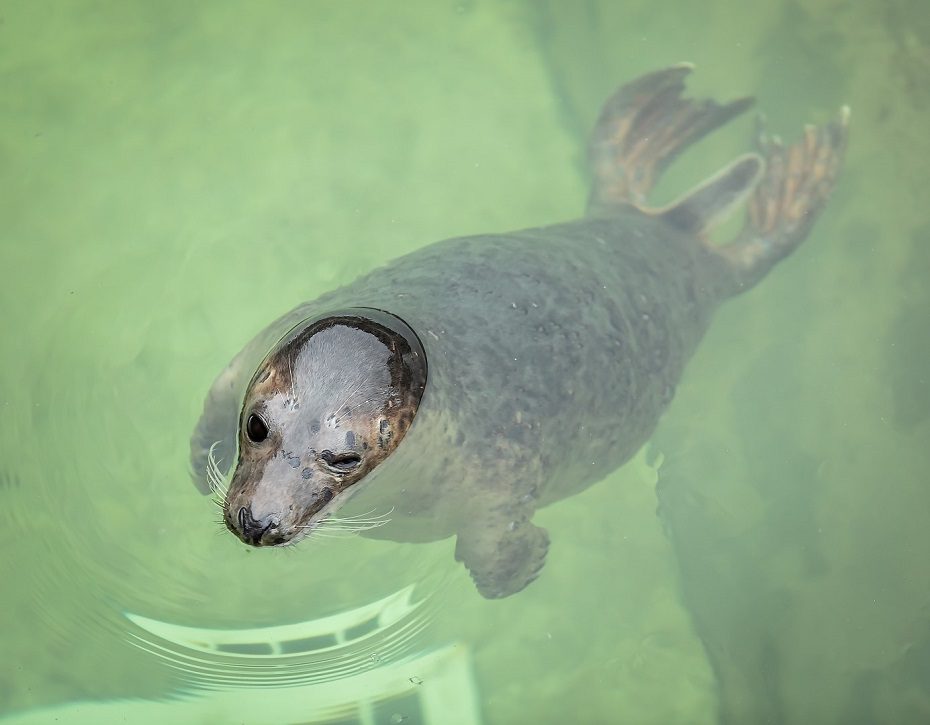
[(313, 417), (553, 351)]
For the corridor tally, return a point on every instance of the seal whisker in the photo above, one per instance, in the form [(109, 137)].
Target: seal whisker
[(332, 535), (351, 518), (353, 529), (316, 533), (330, 529), (358, 526), (290, 368), (350, 524), (349, 397), (360, 517), (374, 525), (368, 399), (217, 500), (215, 478)]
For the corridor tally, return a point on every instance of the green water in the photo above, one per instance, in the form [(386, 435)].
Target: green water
[(174, 175)]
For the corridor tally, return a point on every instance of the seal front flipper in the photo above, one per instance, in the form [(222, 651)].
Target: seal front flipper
[(503, 555), (792, 192)]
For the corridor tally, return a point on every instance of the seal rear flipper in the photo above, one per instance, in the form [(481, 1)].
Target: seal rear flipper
[(503, 557), (702, 207), (641, 129), (792, 192)]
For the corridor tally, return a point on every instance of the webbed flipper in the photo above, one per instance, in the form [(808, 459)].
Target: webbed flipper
[(641, 129), (496, 539), (713, 200), (502, 556), (792, 192)]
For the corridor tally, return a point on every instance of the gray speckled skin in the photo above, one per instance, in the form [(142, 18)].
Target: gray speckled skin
[(553, 351), (558, 347)]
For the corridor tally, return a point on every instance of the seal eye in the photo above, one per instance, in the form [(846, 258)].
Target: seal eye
[(256, 428), (343, 462)]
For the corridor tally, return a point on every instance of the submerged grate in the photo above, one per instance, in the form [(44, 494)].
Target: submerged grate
[(346, 669)]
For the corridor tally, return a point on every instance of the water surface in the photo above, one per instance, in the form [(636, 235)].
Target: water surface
[(174, 177)]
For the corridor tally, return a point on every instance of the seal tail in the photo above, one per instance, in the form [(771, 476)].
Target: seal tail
[(641, 129), (784, 205)]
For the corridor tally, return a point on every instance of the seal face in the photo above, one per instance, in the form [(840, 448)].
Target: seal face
[(331, 401)]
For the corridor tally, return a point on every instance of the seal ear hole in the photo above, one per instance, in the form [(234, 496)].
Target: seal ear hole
[(341, 461), (255, 428)]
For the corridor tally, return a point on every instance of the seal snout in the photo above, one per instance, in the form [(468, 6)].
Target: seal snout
[(251, 531)]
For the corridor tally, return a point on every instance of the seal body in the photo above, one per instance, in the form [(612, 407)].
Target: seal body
[(552, 352)]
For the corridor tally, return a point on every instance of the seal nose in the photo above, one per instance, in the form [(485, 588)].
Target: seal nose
[(252, 530)]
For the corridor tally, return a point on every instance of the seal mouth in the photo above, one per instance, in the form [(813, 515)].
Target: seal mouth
[(273, 513)]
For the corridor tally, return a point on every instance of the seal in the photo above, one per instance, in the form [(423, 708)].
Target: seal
[(552, 352)]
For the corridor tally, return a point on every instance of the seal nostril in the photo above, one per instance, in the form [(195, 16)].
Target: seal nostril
[(252, 530)]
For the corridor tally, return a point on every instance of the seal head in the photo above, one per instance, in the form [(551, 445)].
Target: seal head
[(331, 401)]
